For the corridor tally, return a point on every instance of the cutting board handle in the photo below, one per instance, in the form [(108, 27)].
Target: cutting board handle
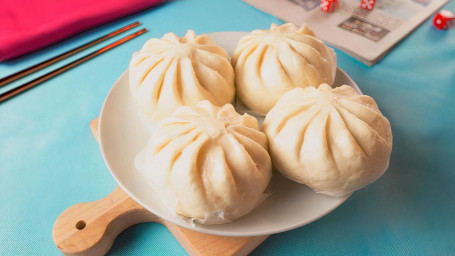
[(91, 228)]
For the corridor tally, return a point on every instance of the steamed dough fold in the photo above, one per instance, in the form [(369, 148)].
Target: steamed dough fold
[(180, 71), (269, 63), (208, 163), (332, 140)]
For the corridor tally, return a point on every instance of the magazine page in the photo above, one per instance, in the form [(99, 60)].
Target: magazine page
[(364, 34)]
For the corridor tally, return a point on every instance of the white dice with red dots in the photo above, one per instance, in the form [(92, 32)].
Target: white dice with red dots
[(444, 19), (367, 4), (329, 5)]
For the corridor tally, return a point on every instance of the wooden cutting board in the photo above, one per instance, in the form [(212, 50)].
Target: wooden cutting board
[(91, 228)]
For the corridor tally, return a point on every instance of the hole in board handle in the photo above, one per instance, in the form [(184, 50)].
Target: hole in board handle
[(80, 225)]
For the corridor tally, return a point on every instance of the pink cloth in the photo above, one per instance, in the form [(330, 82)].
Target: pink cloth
[(28, 25)]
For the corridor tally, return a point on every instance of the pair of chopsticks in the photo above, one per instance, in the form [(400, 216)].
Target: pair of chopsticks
[(8, 79)]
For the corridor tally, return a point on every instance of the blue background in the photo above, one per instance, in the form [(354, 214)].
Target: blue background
[(49, 159)]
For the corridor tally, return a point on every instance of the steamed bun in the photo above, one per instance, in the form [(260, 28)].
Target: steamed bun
[(207, 162), (180, 71), (269, 63), (333, 140)]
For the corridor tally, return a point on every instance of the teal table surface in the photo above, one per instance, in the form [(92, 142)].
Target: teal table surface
[(49, 159)]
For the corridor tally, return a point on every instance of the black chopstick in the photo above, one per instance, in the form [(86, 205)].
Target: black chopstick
[(46, 63), (8, 94)]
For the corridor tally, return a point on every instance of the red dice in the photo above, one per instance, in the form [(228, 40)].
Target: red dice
[(329, 5), (443, 19), (367, 4)]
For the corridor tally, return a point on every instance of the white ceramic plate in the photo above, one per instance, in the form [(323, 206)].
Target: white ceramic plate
[(123, 135)]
